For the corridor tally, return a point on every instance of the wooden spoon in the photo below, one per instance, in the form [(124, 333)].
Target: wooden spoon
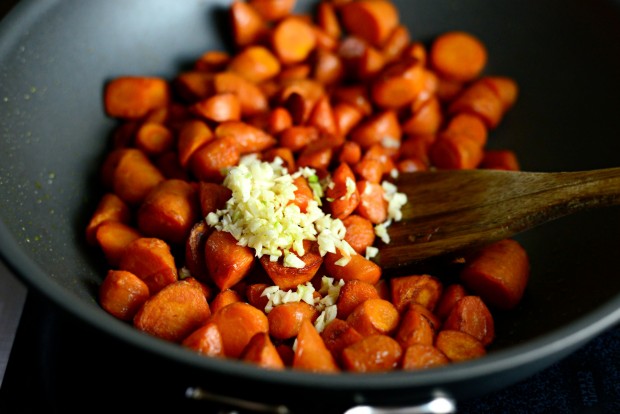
[(457, 211)]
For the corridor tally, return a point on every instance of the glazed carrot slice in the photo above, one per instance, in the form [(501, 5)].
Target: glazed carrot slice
[(227, 262), (293, 39), (212, 61), (132, 174), (358, 268), (247, 138), (154, 138), (238, 323), (122, 293), (327, 19), (212, 197), (132, 97), (372, 20), (399, 84), (420, 356), (297, 137), (194, 251), (252, 99), (373, 205), (347, 116), (352, 293), (368, 170), (360, 233), (396, 43), (319, 153), (322, 116), (506, 89), (219, 107), (375, 353), (223, 298), (480, 99), (376, 128), (254, 295), (426, 120), (451, 294), (285, 154), (458, 55), (272, 10), (374, 316), (343, 196), (338, 335), (255, 63), (262, 352), (110, 208), (303, 193), (248, 26), (209, 161), (285, 320), (459, 346), (206, 340), (113, 237), (311, 354), (414, 328), (169, 211), (289, 277), (471, 315), (152, 261), (467, 124), (278, 120), (192, 135), (499, 273), (174, 312), (423, 289), (456, 152)]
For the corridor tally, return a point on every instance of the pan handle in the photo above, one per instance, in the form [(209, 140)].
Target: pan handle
[(440, 403)]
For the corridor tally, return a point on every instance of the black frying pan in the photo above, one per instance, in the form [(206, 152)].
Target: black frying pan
[(55, 57)]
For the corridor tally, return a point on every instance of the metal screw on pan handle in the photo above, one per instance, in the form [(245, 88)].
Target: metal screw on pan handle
[(439, 404)]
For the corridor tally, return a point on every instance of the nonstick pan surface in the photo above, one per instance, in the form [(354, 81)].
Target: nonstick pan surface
[(55, 57)]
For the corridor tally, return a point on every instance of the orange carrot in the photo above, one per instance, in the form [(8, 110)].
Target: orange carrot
[(248, 26), (122, 293), (289, 277), (423, 289), (238, 322), (227, 262), (420, 356), (154, 138), (343, 196), (206, 340), (113, 237), (372, 20), (372, 205), (352, 293), (360, 233), (500, 160), (311, 354), (458, 55), (293, 40), (132, 97), (262, 352), (255, 63), (414, 328), (471, 315), (459, 346), (208, 161), (338, 335), (247, 138), (358, 268), (152, 261), (285, 320), (219, 107), (192, 135), (223, 298), (110, 208), (374, 316), (374, 353)]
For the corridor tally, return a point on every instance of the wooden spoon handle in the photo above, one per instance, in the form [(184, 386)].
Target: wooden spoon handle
[(478, 207)]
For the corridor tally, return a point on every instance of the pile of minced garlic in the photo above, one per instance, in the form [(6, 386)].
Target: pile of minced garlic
[(260, 214)]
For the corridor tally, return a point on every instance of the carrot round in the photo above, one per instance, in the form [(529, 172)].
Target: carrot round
[(132, 97), (238, 323), (206, 340), (151, 260), (458, 56), (285, 319), (414, 328), (338, 335), (358, 268), (375, 353), (352, 293), (223, 298), (122, 294), (292, 40), (372, 20), (360, 233), (227, 262), (374, 316), (459, 346), (422, 289), (420, 356), (113, 237), (110, 208), (255, 63), (471, 315)]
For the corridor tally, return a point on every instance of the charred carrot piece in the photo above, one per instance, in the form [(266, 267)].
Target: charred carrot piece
[(420, 356), (262, 352), (375, 353), (289, 277), (499, 273), (174, 312), (338, 335), (122, 293), (423, 289), (414, 328), (459, 346), (238, 323), (152, 261), (311, 354), (471, 315), (206, 340), (227, 262), (194, 251)]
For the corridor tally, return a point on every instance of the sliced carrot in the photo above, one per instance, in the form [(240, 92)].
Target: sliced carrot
[(272, 10), (206, 340), (375, 353), (414, 328), (374, 316), (338, 335), (220, 107), (223, 298), (227, 261), (471, 315), (369, 170), (254, 295), (420, 356), (399, 84), (169, 211), (458, 346), (170, 166), (248, 26), (292, 40), (247, 138), (456, 152), (372, 20), (193, 85), (319, 153), (255, 63), (212, 61), (122, 293), (285, 154), (322, 116), (355, 95), (498, 273), (192, 135), (396, 43), (373, 205), (262, 352), (423, 289), (109, 208), (297, 137), (500, 160), (350, 153), (152, 261), (358, 268), (506, 89), (210, 160), (252, 99), (327, 66), (383, 125), (343, 196), (238, 323), (458, 55), (154, 138), (303, 193), (311, 354), (417, 147), (451, 294), (278, 120), (328, 20), (426, 120), (194, 251), (132, 173), (285, 320), (113, 237), (480, 99), (174, 312), (212, 197), (352, 293), (467, 124), (289, 277), (133, 97), (360, 233), (347, 116)]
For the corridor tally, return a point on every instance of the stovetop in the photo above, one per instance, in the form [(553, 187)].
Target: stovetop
[(59, 364)]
